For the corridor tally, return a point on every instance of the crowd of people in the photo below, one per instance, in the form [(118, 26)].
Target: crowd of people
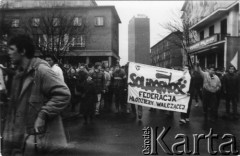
[(211, 86), (36, 91), (93, 88)]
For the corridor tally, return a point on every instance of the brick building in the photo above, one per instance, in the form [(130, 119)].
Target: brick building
[(167, 53)]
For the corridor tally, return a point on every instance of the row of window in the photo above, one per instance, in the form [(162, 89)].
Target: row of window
[(76, 41), (160, 47), (162, 64), (161, 57), (77, 21), (212, 31)]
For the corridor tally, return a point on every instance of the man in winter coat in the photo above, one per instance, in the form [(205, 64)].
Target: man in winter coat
[(118, 80), (230, 88), (34, 125)]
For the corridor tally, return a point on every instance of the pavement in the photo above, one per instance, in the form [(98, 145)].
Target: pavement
[(122, 135)]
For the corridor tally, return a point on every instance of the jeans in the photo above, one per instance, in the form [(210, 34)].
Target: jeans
[(99, 96)]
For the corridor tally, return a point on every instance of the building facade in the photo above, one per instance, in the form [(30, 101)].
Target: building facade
[(139, 40), (98, 43), (48, 3), (217, 25), (167, 53)]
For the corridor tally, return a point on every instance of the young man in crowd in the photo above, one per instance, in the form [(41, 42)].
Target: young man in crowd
[(54, 66), (37, 98), (99, 81), (211, 84)]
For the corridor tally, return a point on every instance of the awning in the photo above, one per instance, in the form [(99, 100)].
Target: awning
[(208, 47)]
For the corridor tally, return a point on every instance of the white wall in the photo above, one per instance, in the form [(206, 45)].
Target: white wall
[(232, 24)]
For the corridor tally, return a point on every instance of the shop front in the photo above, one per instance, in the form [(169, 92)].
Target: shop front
[(215, 51)]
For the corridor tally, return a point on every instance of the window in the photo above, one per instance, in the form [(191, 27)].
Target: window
[(201, 35), (35, 22), (56, 22), (37, 39), (224, 26), (79, 41), (211, 30), (77, 21), (15, 23), (99, 21)]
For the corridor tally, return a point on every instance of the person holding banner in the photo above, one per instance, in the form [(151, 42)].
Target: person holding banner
[(211, 84), (185, 116)]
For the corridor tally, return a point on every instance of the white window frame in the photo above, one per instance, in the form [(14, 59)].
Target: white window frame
[(79, 41), (99, 21), (15, 23), (77, 21), (35, 22), (56, 21)]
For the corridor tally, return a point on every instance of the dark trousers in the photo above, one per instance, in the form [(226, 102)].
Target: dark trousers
[(119, 99), (107, 100), (197, 93), (186, 115), (133, 107), (218, 99), (209, 104), (233, 99)]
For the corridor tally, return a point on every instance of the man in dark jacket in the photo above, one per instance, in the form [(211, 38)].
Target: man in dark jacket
[(197, 85), (230, 88), (37, 98), (185, 116), (118, 80), (99, 81)]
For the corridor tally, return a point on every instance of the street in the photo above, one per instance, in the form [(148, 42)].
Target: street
[(112, 134)]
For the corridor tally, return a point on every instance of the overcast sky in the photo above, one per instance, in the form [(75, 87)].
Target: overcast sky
[(157, 11)]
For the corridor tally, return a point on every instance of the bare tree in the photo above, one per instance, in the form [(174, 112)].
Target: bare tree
[(181, 28), (55, 32), (4, 26)]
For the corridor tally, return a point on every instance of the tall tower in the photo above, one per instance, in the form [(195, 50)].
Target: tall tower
[(139, 39)]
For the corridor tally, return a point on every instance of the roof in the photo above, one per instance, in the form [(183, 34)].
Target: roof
[(213, 16), (184, 5), (113, 9)]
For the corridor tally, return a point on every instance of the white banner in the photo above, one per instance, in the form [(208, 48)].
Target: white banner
[(157, 87)]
